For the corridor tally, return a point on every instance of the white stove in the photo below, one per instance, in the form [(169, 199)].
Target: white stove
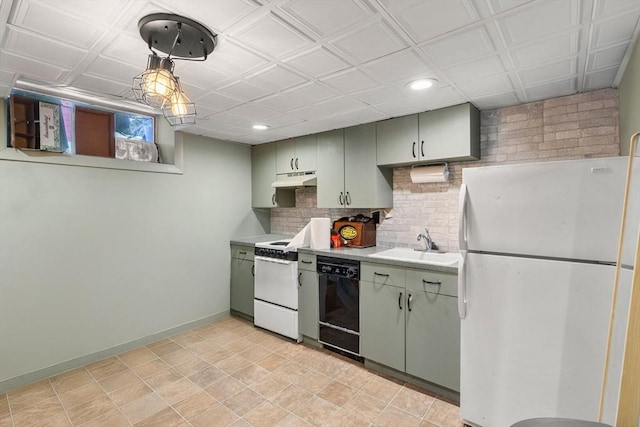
[(275, 304)]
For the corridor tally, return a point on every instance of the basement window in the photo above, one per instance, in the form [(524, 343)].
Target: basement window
[(46, 123)]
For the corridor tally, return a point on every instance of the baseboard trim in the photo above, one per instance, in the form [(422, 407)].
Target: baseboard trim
[(34, 376)]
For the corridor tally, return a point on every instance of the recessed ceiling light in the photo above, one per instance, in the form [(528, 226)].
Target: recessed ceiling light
[(421, 84), (260, 127)]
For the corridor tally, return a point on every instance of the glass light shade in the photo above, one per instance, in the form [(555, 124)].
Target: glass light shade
[(178, 104), (157, 84), (180, 110)]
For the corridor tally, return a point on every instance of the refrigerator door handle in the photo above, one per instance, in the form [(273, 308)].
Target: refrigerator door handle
[(462, 220), (462, 286)]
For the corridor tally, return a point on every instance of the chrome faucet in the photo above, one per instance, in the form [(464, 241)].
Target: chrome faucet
[(428, 241)]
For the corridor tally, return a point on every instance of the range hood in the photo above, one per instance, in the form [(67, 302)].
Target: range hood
[(293, 180)]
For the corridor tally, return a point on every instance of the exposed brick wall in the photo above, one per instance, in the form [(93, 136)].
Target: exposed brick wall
[(571, 127)]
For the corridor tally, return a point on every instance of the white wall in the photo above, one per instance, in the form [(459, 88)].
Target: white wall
[(95, 258)]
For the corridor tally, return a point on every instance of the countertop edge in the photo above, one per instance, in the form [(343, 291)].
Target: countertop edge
[(357, 254)]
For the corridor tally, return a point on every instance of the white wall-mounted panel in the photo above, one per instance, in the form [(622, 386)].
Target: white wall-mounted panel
[(335, 15), (547, 50), (328, 108), (233, 59), (243, 90), (615, 30), (204, 75), (606, 58), (352, 80), (273, 36), (485, 67), (502, 5), (275, 78), (424, 20), (398, 66), (600, 79), (553, 89), (216, 100), (280, 120), (114, 70), (44, 49), (218, 15), (486, 86), (317, 62), (496, 101), (126, 48), (606, 8), (372, 41), (540, 19), (252, 112), (94, 84), (43, 18), (460, 47), (36, 70), (548, 72)]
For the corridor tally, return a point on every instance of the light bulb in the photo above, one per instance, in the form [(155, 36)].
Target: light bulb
[(159, 83), (178, 105)]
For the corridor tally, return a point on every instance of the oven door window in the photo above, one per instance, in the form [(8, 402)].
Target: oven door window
[(339, 302)]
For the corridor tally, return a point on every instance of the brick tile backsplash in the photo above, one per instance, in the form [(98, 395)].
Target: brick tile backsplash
[(579, 126)]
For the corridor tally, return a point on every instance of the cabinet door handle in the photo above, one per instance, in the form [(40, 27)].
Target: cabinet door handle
[(291, 163), (296, 163), (253, 270), (413, 150), (375, 273), (409, 302), (299, 279), (422, 148), (347, 198), (428, 282), (341, 199), (273, 199), (306, 262), (242, 252), (400, 300)]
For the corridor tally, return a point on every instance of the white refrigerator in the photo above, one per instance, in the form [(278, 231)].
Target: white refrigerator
[(539, 244)]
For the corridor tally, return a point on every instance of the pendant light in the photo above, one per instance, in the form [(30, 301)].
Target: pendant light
[(181, 39), (180, 110)]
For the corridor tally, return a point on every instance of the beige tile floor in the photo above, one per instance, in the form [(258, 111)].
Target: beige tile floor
[(223, 373)]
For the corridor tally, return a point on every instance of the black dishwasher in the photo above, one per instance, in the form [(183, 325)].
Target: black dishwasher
[(339, 304)]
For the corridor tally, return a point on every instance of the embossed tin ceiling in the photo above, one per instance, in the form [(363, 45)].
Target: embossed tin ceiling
[(305, 66)]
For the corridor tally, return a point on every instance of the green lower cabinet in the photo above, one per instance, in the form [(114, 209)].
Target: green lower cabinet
[(308, 303), (382, 324), (242, 273), (433, 338)]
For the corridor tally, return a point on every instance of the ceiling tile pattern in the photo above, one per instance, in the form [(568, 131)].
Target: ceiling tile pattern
[(305, 66)]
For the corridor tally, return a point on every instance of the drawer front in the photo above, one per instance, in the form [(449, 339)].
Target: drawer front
[(433, 282), (382, 274), (242, 252), (306, 262)]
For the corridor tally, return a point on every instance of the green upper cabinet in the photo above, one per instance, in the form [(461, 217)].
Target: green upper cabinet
[(263, 174), (330, 172), (348, 176), (447, 134), (296, 154), (397, 141), (451, 133)]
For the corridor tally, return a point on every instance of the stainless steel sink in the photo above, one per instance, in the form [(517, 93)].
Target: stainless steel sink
[(423, 257)]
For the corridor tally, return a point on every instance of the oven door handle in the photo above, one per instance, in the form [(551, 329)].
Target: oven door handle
[(273, 260)]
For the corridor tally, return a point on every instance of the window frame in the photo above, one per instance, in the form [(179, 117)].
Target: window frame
[(169, 142)]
